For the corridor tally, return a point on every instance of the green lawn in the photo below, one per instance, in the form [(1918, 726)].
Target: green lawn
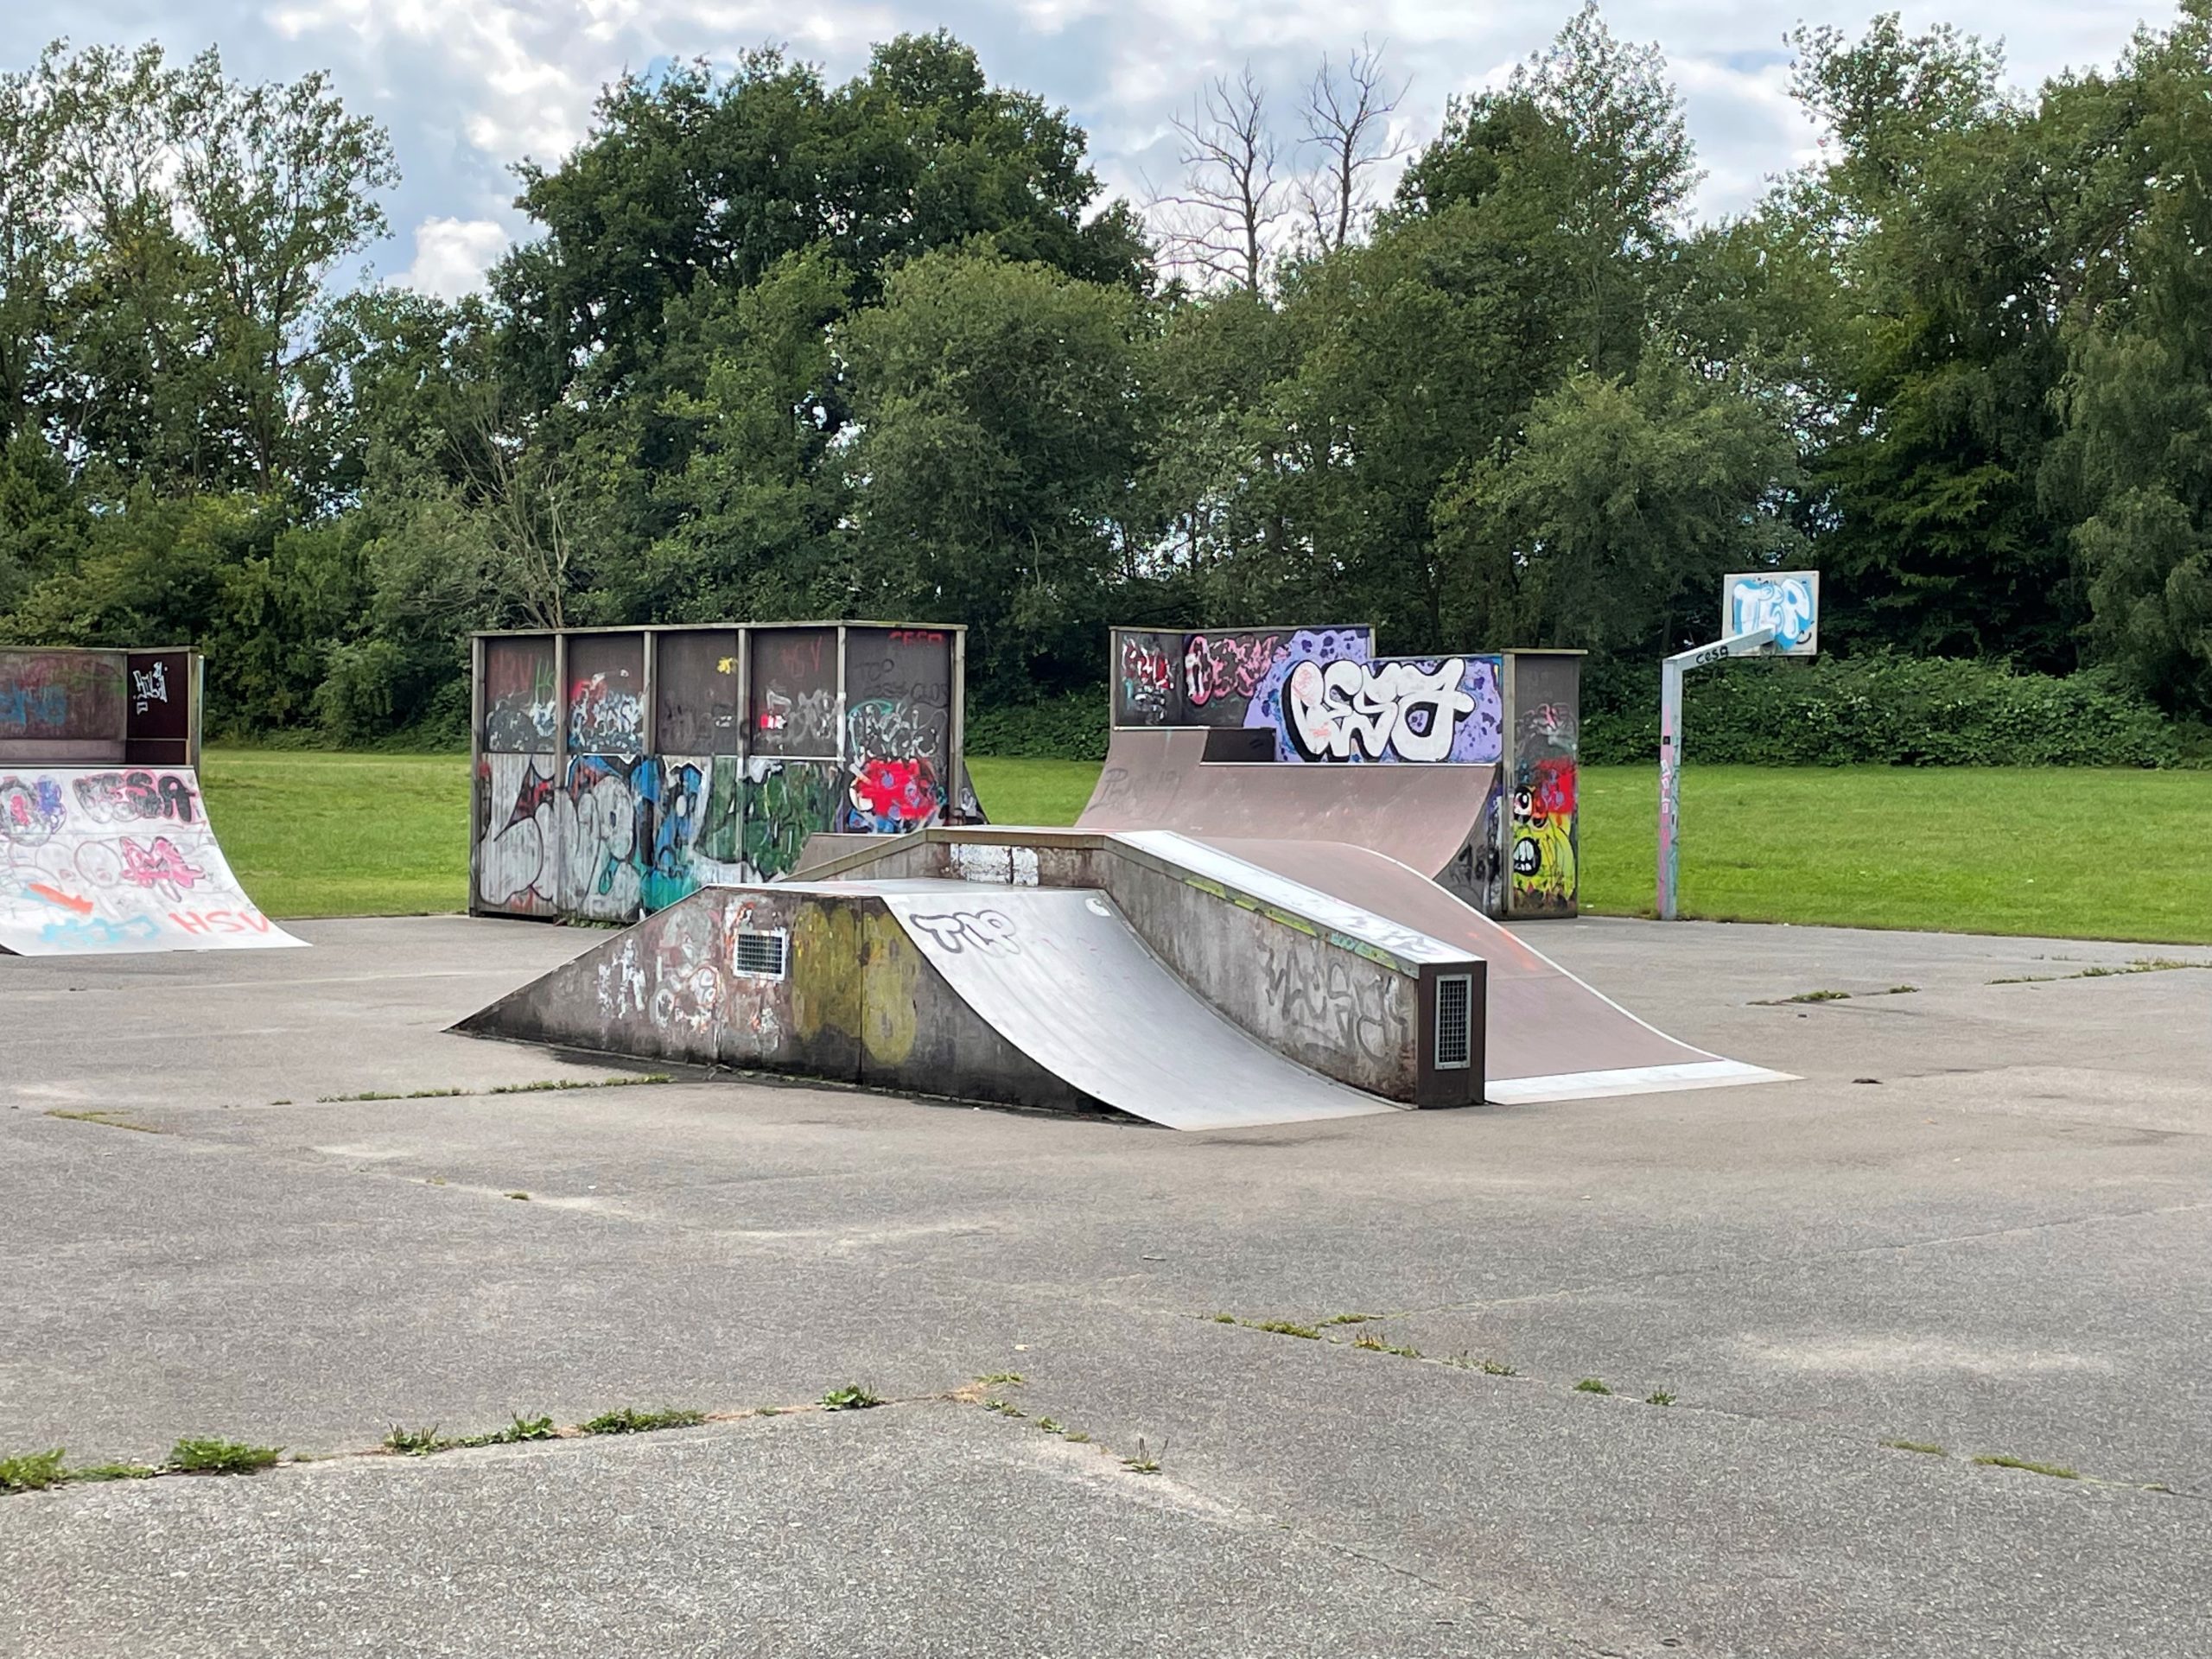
[(314, 834), (2087, 853)]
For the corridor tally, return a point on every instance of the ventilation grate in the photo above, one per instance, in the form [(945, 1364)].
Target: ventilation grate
[(760, 955), (1455, 1010)]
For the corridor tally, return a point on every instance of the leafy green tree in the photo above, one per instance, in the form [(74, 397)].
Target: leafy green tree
[(2134, 464), (1000, 425)]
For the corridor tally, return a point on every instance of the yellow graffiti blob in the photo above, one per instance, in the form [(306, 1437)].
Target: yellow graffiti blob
[(892, 971), (1543, 860), (825, 971), (856, 976)]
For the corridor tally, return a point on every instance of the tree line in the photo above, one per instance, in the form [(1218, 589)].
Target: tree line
[(781, 347)]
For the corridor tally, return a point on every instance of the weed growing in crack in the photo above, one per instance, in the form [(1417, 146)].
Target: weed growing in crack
[(104, 1471), (1659, 1397), (1144, 1462), (522, 1428), (1224, 1319), (1004, 1408), (1002, 1377), (1076, 1436), (1591, 1385), (851, 1397), (1284, 1328), (2055, 1470), (212, 1457), (1374, 1344), (413, 1442), (1050, 1425), (1351, 1318), (31, 1471), (630, 1420), (1926, 1448)]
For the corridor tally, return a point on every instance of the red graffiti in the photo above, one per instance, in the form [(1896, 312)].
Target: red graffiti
[(895, 792), (1552, 789), (221, 921)]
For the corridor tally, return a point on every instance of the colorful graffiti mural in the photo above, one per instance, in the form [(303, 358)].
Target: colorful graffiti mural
[(60, 695), (1547, 779), (117, 861)]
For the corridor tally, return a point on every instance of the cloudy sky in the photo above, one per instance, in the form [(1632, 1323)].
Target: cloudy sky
[(468, 86)]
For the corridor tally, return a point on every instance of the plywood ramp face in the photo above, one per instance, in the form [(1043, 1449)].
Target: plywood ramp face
[(1422, 816), (106, 861)]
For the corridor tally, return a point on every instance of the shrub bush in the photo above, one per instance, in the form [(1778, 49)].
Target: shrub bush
[(1881, 709), (1878, 709)]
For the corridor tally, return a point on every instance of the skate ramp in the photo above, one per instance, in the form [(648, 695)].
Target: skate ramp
[(1041, 997), (111, 860), (1422, 816), (1551, 1037)]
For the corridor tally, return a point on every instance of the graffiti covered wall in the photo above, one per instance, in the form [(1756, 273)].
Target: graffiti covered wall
[(124, 859), (1547, 780), (585, 807)]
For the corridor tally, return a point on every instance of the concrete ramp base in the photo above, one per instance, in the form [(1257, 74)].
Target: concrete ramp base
[(1025, 997), (107, 860)]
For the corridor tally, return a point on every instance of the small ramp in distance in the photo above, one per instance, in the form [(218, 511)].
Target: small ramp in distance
[(1551, 1036), (1059, 974), (109, 860), (1160, 778)]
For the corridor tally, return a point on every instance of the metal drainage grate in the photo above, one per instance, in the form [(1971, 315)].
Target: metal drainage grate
[(1455, 1008), (760, 955)]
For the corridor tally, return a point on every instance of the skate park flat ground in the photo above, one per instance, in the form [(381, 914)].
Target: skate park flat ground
[(1981, 1221)]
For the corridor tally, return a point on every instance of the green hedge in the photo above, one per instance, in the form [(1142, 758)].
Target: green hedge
[(1876, 709), (1070, 727), (1879, 709)]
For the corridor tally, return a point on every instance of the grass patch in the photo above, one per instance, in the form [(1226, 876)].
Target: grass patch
[(1978, 849), (630, 1420), (1284, 1328), (2055, 1470), (112, 1120), (31, 1471), (1988, 849), (212, 1457), (1591, 1385), (851, 1397), (1926, 1448)]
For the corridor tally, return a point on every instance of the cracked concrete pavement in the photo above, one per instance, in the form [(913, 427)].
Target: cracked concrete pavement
[(1981, 1221)]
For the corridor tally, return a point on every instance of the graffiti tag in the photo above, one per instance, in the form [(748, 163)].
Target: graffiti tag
[(1379, 710)]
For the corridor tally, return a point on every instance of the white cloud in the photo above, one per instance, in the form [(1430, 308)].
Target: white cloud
[(469, 87), (451, 256)]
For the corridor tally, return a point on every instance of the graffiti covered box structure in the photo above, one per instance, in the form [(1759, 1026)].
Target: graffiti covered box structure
[(1194, 713), (619, 769)]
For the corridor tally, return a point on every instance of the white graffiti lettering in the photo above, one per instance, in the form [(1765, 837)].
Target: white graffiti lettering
[(986, 930), (1377, 709)]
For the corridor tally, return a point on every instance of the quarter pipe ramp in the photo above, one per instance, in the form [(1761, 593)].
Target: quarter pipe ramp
[(109, 860)]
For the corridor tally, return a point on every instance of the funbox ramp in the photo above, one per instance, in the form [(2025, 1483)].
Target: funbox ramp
[(113, 859), (1548, 1035), (1026, 995)]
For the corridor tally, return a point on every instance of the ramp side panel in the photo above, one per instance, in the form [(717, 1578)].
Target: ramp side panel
[(1065, 978), (109, 860), (855, 1001), (1423, 815)]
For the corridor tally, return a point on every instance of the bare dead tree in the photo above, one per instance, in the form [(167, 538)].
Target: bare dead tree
[(1348, 120), (1217, 226)]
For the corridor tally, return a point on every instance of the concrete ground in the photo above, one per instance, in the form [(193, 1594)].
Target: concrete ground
[(1982, 1222)]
